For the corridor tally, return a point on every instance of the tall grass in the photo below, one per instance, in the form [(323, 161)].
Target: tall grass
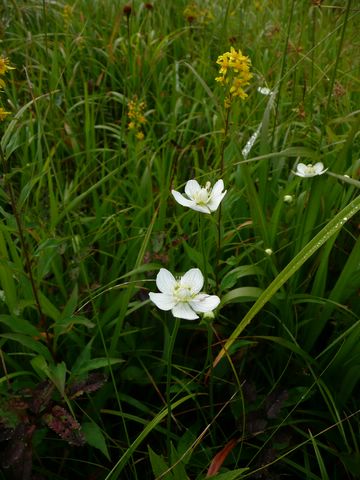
[(268, 387)]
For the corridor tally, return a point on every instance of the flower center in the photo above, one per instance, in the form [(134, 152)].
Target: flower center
[(203, 196), (310, 169), (183, 293)]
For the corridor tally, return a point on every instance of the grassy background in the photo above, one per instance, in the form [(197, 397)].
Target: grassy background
[(87, 219)]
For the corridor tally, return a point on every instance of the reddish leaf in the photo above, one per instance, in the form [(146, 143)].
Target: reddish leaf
[(274, 403), (62, 423), (92, 383), (41, 396), (220, 457)]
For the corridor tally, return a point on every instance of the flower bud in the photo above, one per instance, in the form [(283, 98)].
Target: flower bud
[(288, 198)]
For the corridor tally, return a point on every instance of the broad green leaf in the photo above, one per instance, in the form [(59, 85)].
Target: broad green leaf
[(19, 325), (241, 294), (95, 363), (95, 437), (229, 280), (159, 466), (28, 342)]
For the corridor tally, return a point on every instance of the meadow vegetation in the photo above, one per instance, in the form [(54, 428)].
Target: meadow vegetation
[(107, 110)]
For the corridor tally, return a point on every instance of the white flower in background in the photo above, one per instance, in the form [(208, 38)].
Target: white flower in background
[(182, 296), (202, 199), (268, 251), (309, 170), (264, 90)]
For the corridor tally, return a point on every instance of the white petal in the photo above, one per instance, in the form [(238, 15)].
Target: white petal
[(185, 202), (163, 300), (319, 168), (165, 281), (192, 187), (194, 279), (217, 188), (214, 202), (183, 310), (301, 169), (200, 208), (204, 303)]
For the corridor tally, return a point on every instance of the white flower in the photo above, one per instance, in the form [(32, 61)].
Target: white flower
[(268, 251), (202, 199), (182, 296), (264, 90), (309, 170)]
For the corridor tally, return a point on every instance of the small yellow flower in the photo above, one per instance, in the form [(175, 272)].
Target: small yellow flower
[(3, 114), (136, 115), (234, 73), (5, 65)]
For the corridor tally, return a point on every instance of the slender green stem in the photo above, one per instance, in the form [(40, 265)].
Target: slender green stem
[(170, 337), (222, 162), (203, 247), (223, 142), (209, 360), (333, 76), (283, 66), (42, 321)]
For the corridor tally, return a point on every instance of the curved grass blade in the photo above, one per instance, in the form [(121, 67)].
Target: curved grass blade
[(327, 232)]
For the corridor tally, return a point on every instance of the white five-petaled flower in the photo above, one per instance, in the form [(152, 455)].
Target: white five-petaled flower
[(202, 199), (182, 296), (309, 170)]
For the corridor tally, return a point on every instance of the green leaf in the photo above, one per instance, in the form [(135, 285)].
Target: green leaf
[(177, 465), (30, 343), (82, 359), (57, 374), (47, 307), (71, 304), (241, 294), (231, 277), (159, 466), (64, 325), (95, 437), (233, 475), (19, 325), (95, 363), (46, 252), (40, 366)]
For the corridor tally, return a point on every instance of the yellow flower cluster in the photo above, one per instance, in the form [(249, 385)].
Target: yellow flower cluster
[(67, 15), (4, 67), (136, 117), (234, 74), (194, 14)]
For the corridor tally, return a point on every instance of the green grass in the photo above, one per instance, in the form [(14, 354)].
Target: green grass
[(88, 219)]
